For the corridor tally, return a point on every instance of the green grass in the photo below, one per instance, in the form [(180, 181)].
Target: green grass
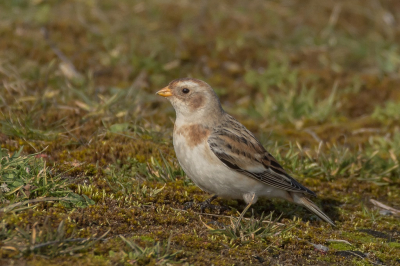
[(159, 254), (88, 174), (45, 240), (254, 228)]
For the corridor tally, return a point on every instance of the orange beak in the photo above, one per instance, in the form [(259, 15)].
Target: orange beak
[(165, 92)]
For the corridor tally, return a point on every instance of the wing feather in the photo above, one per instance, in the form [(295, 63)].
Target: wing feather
[(239, 150)]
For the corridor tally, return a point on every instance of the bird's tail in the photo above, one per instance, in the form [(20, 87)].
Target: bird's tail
[(304, 201)]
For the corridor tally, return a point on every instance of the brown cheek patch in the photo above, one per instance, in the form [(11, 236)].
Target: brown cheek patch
[(194, 134), (196, 102)]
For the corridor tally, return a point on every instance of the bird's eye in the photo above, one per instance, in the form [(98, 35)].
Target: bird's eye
[(185, 90)]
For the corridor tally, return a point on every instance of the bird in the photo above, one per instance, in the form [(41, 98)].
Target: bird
[(221, 156)]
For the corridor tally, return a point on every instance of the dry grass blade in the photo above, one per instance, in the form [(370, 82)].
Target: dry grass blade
[(385, 207), (86, 244), (159, 252), (48, 199), (249, 229), (221, 216), (339, 241), (239, 220)]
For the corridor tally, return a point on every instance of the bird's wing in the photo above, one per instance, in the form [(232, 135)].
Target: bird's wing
[(239, 150)]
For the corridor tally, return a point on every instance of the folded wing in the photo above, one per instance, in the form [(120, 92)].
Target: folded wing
[(239, 150)]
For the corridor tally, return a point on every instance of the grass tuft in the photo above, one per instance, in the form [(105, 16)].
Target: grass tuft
[(159, 253), (249, 229)]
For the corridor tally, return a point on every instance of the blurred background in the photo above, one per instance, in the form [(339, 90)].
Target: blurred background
[(309, 72), (292, 63)]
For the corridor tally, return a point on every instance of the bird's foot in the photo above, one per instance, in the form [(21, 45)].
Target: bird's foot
[(188, 205), (206, 204)]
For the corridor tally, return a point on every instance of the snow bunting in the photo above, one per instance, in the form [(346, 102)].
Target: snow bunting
[(221, 156)]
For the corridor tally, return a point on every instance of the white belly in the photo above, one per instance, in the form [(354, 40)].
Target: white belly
[(212, 176)]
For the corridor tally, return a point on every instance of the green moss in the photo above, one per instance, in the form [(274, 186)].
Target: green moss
[(340, 246), (394, 245)]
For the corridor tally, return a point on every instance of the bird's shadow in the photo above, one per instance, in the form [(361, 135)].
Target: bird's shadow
[(284, 209)]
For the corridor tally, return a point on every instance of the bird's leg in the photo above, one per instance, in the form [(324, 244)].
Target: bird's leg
[(249, 198), (203, 205), (188, 205), (207, 204)]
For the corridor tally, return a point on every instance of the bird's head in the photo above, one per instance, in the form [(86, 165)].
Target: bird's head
[(192, 99)]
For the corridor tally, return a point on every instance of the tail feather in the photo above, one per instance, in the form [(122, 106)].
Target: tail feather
[(304, 201)]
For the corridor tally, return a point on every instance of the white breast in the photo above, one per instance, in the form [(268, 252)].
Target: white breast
[(212, 176)]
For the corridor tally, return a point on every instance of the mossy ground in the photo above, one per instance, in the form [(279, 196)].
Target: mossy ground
[(317, 82)]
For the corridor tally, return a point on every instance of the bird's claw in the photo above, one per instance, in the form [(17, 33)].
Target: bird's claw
[(207, 204), (188, 205), (204, 205)]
